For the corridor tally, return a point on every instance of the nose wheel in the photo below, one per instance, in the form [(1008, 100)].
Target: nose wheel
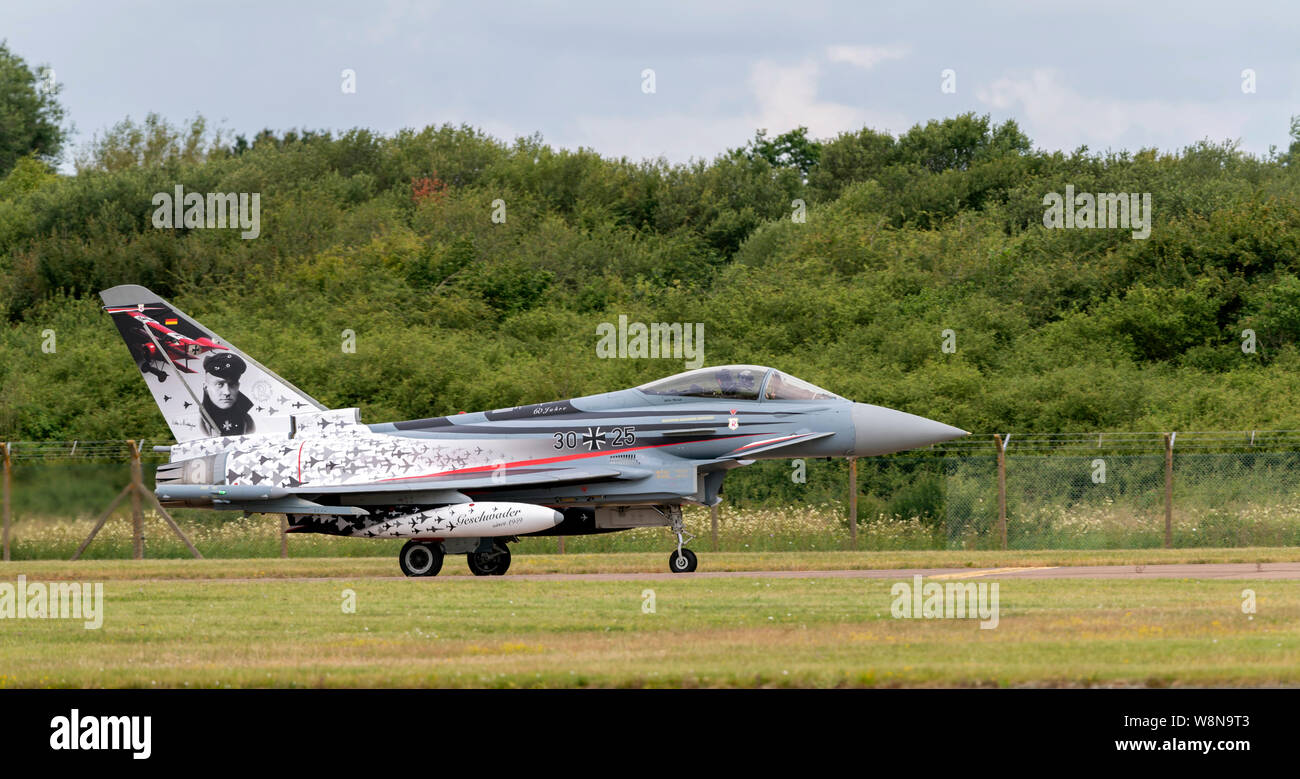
[(681, 560)]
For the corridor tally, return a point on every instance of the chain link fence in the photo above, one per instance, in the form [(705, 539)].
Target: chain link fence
[(1060, 492), (1056, 502), (1059, 496)]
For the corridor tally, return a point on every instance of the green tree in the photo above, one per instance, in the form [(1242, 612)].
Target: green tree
[(30, 114), (958, 142), (850, 157), (1293, 154), (793, 149), (155, 142)]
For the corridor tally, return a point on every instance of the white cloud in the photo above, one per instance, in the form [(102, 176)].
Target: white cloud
[(785, 97), (1057, 116), (397, 18), (677, 137), (865, 56)]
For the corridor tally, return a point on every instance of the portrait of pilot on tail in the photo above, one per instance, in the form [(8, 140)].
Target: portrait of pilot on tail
[(223, 404)]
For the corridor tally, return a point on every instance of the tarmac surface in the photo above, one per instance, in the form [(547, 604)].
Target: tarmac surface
[(1258, 571), (1183, 571)]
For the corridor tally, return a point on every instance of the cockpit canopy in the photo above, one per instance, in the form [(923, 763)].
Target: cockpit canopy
[(739, 382)]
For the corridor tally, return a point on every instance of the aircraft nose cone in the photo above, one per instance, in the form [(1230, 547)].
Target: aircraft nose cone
[(880, 430)]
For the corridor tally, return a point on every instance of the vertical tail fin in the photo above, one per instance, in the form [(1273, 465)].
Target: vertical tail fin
[(203, 385)]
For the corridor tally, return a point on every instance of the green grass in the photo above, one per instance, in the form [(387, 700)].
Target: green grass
[(499, 632), (628, 562)]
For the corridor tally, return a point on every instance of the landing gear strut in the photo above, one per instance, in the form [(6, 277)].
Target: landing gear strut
[(681, 560), (490, 563), (420, 558)]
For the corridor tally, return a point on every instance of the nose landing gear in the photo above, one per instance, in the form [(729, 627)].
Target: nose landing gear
[(681, 560)]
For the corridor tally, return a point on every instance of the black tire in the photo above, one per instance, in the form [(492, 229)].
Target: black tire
[(420, 558), (684, 563), (494, 563)]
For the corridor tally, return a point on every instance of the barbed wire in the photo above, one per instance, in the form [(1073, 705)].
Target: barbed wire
[(1122, 442), (78, 450)]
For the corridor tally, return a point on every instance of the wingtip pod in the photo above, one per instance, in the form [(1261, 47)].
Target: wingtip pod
[(204, 386)]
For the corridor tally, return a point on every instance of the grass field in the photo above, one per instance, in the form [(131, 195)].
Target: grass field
[(630, 562), (164, 629)]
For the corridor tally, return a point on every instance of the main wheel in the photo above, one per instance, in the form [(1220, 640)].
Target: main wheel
[(682, 563), (420, 558), (493, 563)]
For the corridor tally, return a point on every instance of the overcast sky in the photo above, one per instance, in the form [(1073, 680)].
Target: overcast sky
[(1108, 75)]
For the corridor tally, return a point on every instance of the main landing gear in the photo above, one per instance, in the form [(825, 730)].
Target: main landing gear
[(420, 558), (681, 560), (493, 562), (424, 558)]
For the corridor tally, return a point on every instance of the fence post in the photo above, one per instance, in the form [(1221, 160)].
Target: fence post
[(137, 516), (5, 447), (284, 535), (1002, 487), (561, 544), (138, 493), (713, 522), (1169, 489), (853, 502)]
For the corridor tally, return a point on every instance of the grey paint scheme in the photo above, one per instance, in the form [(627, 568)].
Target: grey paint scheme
[(626, 448)]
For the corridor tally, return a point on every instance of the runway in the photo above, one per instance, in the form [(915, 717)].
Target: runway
[(1244, 571), (1184, 571)]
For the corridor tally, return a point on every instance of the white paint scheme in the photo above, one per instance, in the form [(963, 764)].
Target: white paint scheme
[(468, 520)]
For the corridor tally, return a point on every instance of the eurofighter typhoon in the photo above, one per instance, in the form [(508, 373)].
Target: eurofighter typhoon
[(247, 440)]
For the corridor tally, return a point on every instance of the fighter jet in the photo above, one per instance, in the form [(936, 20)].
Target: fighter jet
[(472, 483)]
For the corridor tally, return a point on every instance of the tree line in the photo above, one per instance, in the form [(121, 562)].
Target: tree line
[(910, 270)]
